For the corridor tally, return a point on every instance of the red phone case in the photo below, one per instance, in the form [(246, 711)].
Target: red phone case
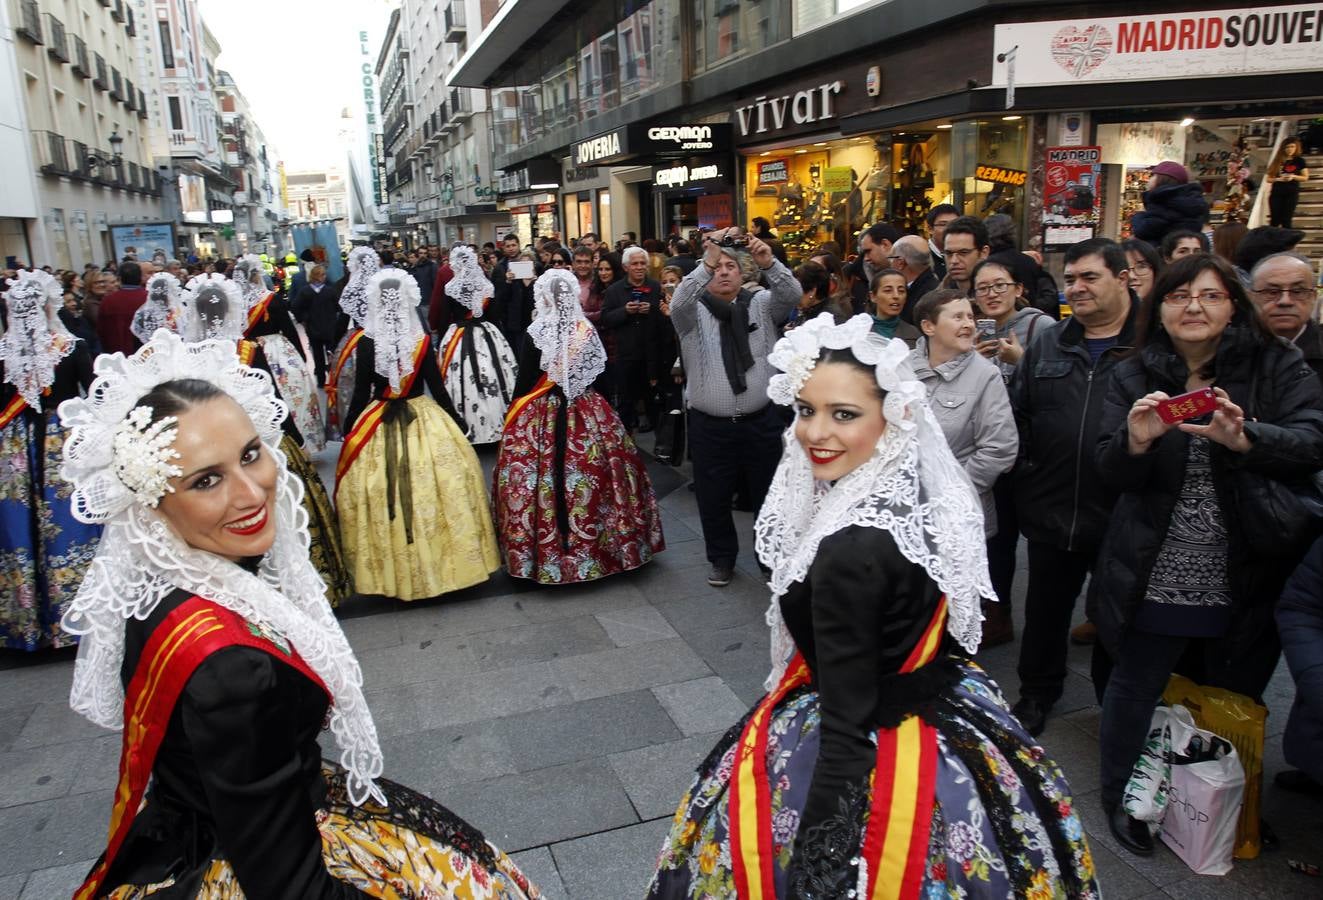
[(1187, 406)]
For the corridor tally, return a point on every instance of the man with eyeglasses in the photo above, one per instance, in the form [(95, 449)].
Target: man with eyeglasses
[(938, 218), (964, 246), (1057, 393), (1287, 299)]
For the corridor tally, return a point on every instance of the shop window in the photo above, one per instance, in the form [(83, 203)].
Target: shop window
[(990, 161), (604, 214), (505, 118), (560, 95), (725, 30), (920, 179)]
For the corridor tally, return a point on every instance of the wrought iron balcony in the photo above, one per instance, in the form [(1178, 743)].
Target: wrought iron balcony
[(454, 21), (100, 77), (52, 153), (56, 43), (81, 67), (29, 21)]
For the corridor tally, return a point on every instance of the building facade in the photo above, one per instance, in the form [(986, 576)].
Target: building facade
[(396, 110), (258, 206), (89, 154), (318, 196)]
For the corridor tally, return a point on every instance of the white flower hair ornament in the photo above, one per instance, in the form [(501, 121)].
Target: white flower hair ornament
[(118, 463)]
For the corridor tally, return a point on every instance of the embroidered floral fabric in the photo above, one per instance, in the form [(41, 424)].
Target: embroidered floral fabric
[(479, 376)]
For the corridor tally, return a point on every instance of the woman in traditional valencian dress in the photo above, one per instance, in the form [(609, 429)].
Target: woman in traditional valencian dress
[(270, 324), (214, 310), (478, 364), (572, 498), (363, 263), (43, 550), (883, 762), (206, 637), (164, 308), (409, 490)]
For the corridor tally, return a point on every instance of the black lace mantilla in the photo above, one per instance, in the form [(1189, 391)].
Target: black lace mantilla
[(825, 864)]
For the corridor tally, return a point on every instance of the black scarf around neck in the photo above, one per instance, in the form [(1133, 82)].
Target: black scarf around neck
[(733, 318)]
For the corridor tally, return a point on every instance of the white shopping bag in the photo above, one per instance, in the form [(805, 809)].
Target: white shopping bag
[(1146, 791), (1203, 805)]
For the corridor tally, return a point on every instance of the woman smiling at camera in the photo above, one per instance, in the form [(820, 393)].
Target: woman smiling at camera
[(206, 636), (1198, 549), (882, 760)]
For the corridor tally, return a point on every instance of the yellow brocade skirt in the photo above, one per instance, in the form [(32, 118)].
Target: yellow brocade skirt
[(325, 548), (413, 512)]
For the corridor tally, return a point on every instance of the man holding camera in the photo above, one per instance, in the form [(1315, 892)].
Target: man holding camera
[(726, 332), (631, 309)]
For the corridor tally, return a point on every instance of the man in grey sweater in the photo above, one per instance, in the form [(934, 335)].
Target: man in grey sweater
[(726, 332)]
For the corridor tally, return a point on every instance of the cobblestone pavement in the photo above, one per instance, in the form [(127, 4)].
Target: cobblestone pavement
[(566, 722)]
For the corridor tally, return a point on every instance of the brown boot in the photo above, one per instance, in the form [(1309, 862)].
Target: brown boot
[(1084, 634), (997, 626)]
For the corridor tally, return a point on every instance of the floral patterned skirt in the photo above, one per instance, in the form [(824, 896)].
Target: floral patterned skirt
[(44, 550), (1004, 823), (480, 377), (441, 539), (611, 518), (344, 387), (414, 849), (325, 548), (298, 386)]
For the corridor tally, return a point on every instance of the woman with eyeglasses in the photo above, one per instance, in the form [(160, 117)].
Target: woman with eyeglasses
[(1183, 570), (1145, 264)]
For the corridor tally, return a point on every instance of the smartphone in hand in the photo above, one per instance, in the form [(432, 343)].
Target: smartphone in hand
[(1187, 406), (986, 330)]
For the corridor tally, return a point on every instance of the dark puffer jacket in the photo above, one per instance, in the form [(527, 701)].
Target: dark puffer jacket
[(1172, 208), (1283, 404), (1300, 621)]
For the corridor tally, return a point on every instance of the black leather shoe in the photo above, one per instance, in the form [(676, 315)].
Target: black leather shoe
[(1032, 715), (1131, 833)]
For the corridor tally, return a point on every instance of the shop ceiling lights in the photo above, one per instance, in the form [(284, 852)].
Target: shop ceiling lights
[(1187, 122), (943, 127), (1011, 118)]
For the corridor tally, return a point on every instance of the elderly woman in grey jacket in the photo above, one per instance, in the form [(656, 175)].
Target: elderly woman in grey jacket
[(966, 393)]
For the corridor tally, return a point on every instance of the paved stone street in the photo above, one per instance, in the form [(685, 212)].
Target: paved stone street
[(566, 723)]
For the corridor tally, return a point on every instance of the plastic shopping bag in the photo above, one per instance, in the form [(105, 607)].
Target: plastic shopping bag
[(1146, 792), (1241, 721), (1207, 789)]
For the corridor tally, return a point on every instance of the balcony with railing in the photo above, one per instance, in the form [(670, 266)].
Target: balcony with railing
[(100, 75), (57, 44), (52, 152), (81, 165), (142, 104), (130, 96), (130, 25), (454, 21), (29, 21), (117, 10), (116, 84), (461, 104), (81, 67)]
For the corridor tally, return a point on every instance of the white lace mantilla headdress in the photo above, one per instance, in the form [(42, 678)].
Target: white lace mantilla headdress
[(141, 560), (469, 286), (214, 310), (36, 340), (364, 262), (392, 323), (248, 272), (162, 310), (572, 353), (911, 486)]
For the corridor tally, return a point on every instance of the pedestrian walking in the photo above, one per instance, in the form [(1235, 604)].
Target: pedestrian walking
[(316, 307), (631, 311), (114, 317), (726, 332), (1285, 176), (1057, 393), (882, 760)]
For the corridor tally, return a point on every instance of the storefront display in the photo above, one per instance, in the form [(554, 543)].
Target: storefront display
[(1072, 196), (693, 193)]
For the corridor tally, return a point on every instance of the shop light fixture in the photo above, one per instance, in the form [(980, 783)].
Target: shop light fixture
[(801, 150), (819, 143), (1011, 118), (1187, 122), (766, 153), (945, 127)]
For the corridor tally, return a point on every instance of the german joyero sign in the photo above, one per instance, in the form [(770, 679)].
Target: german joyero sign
[(1224, 42)]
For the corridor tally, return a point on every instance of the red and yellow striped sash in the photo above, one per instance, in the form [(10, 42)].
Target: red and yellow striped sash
[(11, 409), (451, 347), (190, 633), (260, 311), (346, 353), (895, 843), (543, 387), (247, 350), (368, 421)]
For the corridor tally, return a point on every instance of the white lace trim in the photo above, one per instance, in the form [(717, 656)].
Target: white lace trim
[(469, 286), (36, 340), (364, 262), (163, 309), (214, 310), (912, 487), (392, 323), (248, 274), (572, 353), (140, 559)]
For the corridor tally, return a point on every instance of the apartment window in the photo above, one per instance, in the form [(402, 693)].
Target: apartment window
[(176, 115), (167, 48)]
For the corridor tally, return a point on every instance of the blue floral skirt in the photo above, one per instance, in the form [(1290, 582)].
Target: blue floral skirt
[(44, 550), (1003, 825)]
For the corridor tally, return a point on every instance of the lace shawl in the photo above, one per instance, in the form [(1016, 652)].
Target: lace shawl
[(469, 286), (912, 487), (162, 309), (140, 560), (572, 352), (214, 310), (363, 264), (392, 323), (248, 274), (36, 339)]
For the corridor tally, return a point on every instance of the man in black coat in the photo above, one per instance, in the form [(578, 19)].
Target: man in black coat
[(684, 255), (424, 272), (631, 309), (316, 307), (1283, 291), (1057, 393), (503, 286), (914, 262)]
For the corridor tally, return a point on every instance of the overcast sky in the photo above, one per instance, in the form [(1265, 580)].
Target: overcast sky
[(298, 64)]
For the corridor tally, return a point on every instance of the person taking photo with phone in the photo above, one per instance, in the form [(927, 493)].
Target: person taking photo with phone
[(1202, 538)]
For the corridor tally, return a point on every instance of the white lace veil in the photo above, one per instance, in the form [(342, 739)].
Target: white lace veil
[(248, 272), (469, 286), (162, 309), (572, 353), (36, 340), (214, 310), (140, 559), (912, 487), (364, 262), (392, 323)]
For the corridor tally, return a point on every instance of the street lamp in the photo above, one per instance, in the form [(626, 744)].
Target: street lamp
[(116, 145)]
